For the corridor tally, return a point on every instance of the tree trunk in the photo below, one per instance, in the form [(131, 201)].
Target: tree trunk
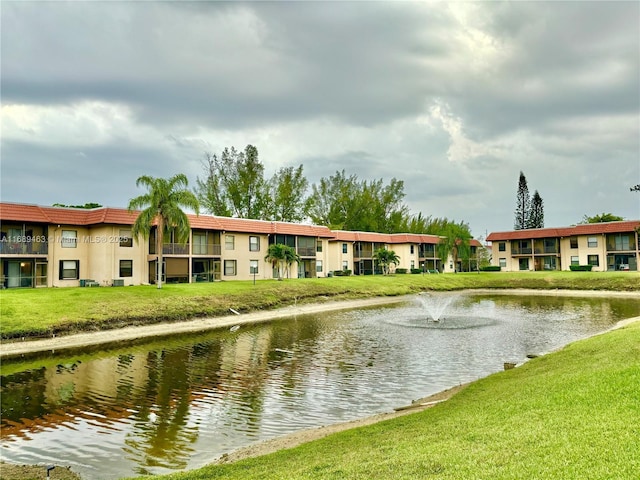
[(159, 246)]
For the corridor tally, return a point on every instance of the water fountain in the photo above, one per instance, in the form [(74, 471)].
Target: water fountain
[(436, 305), (447, 311)]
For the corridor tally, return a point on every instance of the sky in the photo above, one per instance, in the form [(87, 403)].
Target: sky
[(453, 98)]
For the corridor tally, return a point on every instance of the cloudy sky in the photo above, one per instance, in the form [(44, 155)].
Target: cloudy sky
[(453, 98)]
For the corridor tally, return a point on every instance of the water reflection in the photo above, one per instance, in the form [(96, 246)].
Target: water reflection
[(180, 402)]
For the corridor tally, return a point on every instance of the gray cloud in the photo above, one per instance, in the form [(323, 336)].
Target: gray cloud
[(452, 98)]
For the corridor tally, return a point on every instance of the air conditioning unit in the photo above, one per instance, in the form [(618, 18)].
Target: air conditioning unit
[(118, 282)]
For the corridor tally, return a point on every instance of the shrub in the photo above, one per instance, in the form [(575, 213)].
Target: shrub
[(416, 270), (401, 270), (490, 268), (342, 273), (580, 268)]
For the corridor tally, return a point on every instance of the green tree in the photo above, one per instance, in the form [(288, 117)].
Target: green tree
[(162, 205), (455, 242), (234, 185), (601, 218), (334, 201), (536, 213), (345, 203), (281, 257), (523, 204), (87, 206), (385, 259), (289, 202)]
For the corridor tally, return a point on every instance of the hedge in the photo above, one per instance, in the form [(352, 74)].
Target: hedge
[(580, 268)]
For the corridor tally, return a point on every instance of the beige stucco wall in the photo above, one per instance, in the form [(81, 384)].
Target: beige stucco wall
[(243, 256), (583, 251), (99, 252), (336, 257)]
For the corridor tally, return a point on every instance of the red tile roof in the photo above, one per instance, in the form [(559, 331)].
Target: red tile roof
[(388, 238), (120, 216), (583, 229)]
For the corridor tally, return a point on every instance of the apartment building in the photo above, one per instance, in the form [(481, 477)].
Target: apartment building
[(355, 251), (56, 247), (605, 246)]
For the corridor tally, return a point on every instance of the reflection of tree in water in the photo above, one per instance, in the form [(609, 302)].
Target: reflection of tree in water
[(22, 395), (161, 436)]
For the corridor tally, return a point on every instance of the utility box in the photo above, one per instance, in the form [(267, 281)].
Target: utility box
[(118, 282)]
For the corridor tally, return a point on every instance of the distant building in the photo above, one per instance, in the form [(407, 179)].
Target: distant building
[(605, 246)]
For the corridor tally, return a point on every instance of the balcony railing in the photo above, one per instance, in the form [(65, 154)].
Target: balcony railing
[(621, 248), (24, 248), (207, 249), (175, 249), (307, 251), (363, 253)]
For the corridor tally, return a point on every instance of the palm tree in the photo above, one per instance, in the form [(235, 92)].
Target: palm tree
[(455, 242), (290, 257), (385, 258), (163, 207), (280, 256)]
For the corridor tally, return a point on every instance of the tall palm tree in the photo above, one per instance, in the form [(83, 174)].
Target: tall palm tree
[(163, 205)]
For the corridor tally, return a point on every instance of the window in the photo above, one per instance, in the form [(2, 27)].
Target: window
[(126, 268), (125, 238), (69, 238), (229, 242), (345, 265), (412, 249), (253, 266), (199, 243), (502, 247), (623, 243), (230, 267), (592, 242), (344, 248), (254, 244), (575, 260), (69, 269), (318, 266), (319, 246), (574, 242), (593, 260), (413, 264), (503, 262)]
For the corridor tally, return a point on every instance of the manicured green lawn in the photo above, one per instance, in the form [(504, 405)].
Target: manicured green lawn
[(572, 414), (46, 311)]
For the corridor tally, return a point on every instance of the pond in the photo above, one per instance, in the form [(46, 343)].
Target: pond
[(179, 403)]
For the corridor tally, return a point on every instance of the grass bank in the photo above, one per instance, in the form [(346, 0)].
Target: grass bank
[(569, 414), (48, 311)]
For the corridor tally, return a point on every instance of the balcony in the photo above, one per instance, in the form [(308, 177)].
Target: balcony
[(207, 250), (175, 249), (24, 248), (307, 251)]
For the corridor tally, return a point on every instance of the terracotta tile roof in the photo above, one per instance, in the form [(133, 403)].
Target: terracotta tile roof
[(583, 229), (66, 216), (393, 238), (121, 216), (23, 213)]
